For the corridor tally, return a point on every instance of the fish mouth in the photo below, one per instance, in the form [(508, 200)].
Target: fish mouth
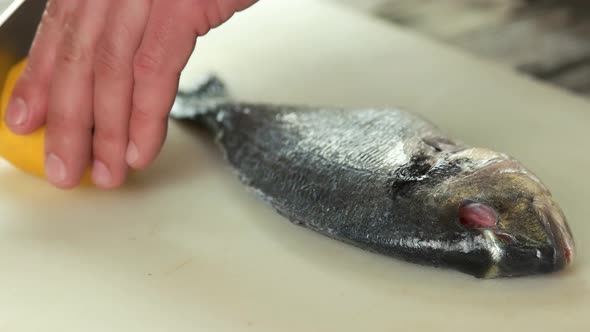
[(558, 232), (517, 259)]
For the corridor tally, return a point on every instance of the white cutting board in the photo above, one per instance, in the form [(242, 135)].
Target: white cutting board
[(184, 248)]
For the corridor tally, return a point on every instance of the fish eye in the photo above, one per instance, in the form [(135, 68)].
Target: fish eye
[(478, 215)]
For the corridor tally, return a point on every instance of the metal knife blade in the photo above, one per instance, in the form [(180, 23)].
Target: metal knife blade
[(18, 25)]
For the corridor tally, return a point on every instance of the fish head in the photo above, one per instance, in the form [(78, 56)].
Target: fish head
[(511, 218)]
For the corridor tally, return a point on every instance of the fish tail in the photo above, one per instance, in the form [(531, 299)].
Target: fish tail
[(200, 100)]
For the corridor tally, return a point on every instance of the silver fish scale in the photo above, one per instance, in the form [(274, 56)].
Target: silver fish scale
[(328, 169), (376, 141)]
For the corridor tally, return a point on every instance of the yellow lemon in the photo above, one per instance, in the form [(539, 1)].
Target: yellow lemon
[(23, 152)]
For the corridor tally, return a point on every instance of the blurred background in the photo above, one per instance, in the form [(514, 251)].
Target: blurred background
[(545, 39)]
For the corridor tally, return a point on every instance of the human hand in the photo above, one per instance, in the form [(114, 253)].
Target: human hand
[(102, 76)]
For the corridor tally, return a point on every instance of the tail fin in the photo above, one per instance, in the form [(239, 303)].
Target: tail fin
[(197, 101)]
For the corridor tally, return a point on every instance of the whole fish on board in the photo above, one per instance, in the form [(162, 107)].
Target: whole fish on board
[(389, 182)]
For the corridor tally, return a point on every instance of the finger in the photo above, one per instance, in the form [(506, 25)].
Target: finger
[(212, 13), (69, 117), (28, 104), (168, 42), (113, 70), (243, 4)]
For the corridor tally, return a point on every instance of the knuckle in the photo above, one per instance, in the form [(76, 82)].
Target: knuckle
[(163, 30), (214, 14), (218, 12), (73, 50), (55, 12), (147, 62), (150, 58), (208, 18), (108, 61), (146, 115), (141, 114), (112, 57)]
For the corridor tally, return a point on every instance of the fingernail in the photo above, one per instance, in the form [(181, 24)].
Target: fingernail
[(55, 169), (132, 154), (101, 174), (17, 112)]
